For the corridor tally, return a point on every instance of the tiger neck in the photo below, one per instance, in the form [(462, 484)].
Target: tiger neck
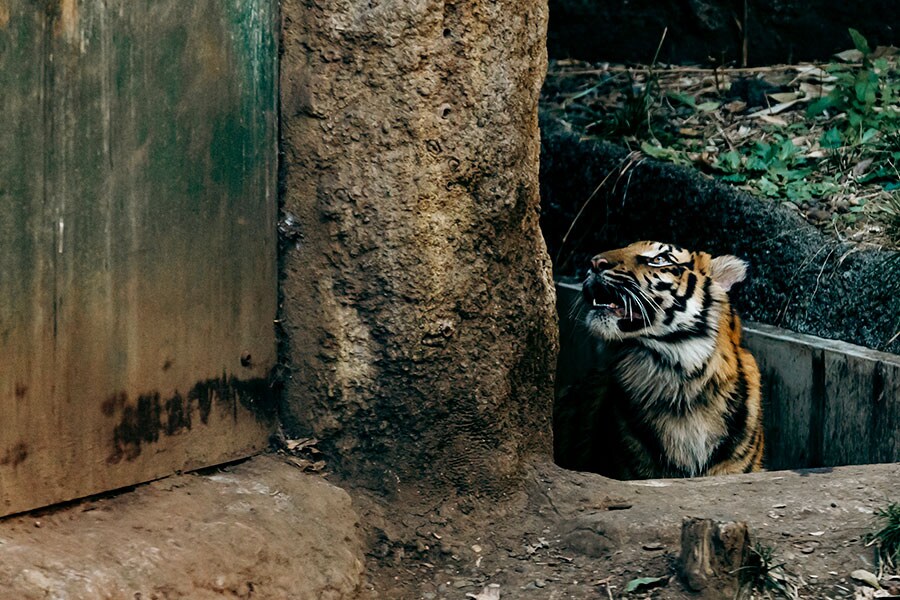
[(672, 371)]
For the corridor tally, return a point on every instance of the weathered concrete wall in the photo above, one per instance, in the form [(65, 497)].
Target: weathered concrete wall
[(417, 299), (777, 31)]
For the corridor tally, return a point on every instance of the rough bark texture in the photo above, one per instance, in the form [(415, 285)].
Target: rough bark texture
[(712, 554), (417, 299), (711, 31)]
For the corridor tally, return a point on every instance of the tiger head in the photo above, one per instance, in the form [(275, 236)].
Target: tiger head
[(658, 291)]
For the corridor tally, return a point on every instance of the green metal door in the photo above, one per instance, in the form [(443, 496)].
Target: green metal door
[(137, 248)]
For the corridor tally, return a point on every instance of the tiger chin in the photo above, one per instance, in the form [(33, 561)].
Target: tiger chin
[(682, 397)]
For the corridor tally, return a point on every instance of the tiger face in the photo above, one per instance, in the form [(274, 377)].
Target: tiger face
[(658, 291)]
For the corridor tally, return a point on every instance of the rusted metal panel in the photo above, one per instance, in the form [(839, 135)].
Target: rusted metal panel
[(137, 248)]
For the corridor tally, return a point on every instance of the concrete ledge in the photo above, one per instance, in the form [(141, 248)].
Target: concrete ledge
[(260, 529)]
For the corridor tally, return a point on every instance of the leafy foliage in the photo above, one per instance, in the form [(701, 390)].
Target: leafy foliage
[(824, 139), (762, 574), (887, 539)]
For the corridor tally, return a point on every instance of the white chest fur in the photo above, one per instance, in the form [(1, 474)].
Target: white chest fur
[(689, 439)]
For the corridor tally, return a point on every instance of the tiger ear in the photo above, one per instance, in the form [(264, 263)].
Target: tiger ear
[(727, 270)]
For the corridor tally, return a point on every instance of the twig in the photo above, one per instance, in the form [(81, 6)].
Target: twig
[(681, 69), (562, 244), (745, 48)]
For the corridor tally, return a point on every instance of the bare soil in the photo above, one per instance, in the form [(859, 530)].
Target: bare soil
[(258, 529), (576, 535), (265, 529)]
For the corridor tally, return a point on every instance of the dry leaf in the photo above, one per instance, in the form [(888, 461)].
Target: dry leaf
[(773, 120), (813, 73), (852, 56), (866, 577), (774, 110), (783, 96), (490, 592)]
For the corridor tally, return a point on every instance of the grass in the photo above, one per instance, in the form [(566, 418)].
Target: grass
[(887, 539), (761, 574)]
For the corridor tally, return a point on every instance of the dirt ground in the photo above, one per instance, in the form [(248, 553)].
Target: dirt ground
[(575, 535), (264, 529), (258, 529)]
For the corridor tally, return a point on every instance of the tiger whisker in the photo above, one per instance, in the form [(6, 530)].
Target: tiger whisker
[(640, 306), (649, 300)]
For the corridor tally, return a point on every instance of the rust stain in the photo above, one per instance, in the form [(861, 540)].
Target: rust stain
[(114, 403), (15, 456), (21, 390), (151, 416), (4, 14), (66, 19)]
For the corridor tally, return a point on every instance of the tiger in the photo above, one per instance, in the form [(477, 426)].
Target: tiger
[(682, 397)]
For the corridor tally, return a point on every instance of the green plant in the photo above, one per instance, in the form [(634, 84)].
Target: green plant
[(762, 574), (635, 115), (866, 96), (887, 539)]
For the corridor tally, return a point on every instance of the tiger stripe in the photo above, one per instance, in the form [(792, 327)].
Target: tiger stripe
[(684, 397)]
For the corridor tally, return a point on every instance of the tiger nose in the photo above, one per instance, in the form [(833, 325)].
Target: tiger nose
[(598, 263)]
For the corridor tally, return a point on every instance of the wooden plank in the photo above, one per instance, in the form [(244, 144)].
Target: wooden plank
[(847, 415), (827, 402), (789, 386), (885, 434), (143, 322)]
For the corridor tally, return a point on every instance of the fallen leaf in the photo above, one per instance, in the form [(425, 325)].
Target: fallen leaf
[(773, 120), (866, 577), (708, 106), (814, 89), (774, 110), (645, 583), (489, 592), (813, 73), (862, 166), (853, 55), (783, 96)]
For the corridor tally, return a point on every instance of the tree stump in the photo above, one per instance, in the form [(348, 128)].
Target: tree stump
[(712, 552)]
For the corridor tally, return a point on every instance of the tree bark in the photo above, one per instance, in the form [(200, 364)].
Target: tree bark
[(712, 554), (418, 308)]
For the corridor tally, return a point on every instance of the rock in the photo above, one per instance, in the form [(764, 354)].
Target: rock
[(227, 533), (590, 537)]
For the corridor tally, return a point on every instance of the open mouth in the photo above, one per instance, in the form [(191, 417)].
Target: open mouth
[(603, 299)]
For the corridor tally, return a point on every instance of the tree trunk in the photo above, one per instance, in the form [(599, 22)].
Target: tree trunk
[(417, 299)]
